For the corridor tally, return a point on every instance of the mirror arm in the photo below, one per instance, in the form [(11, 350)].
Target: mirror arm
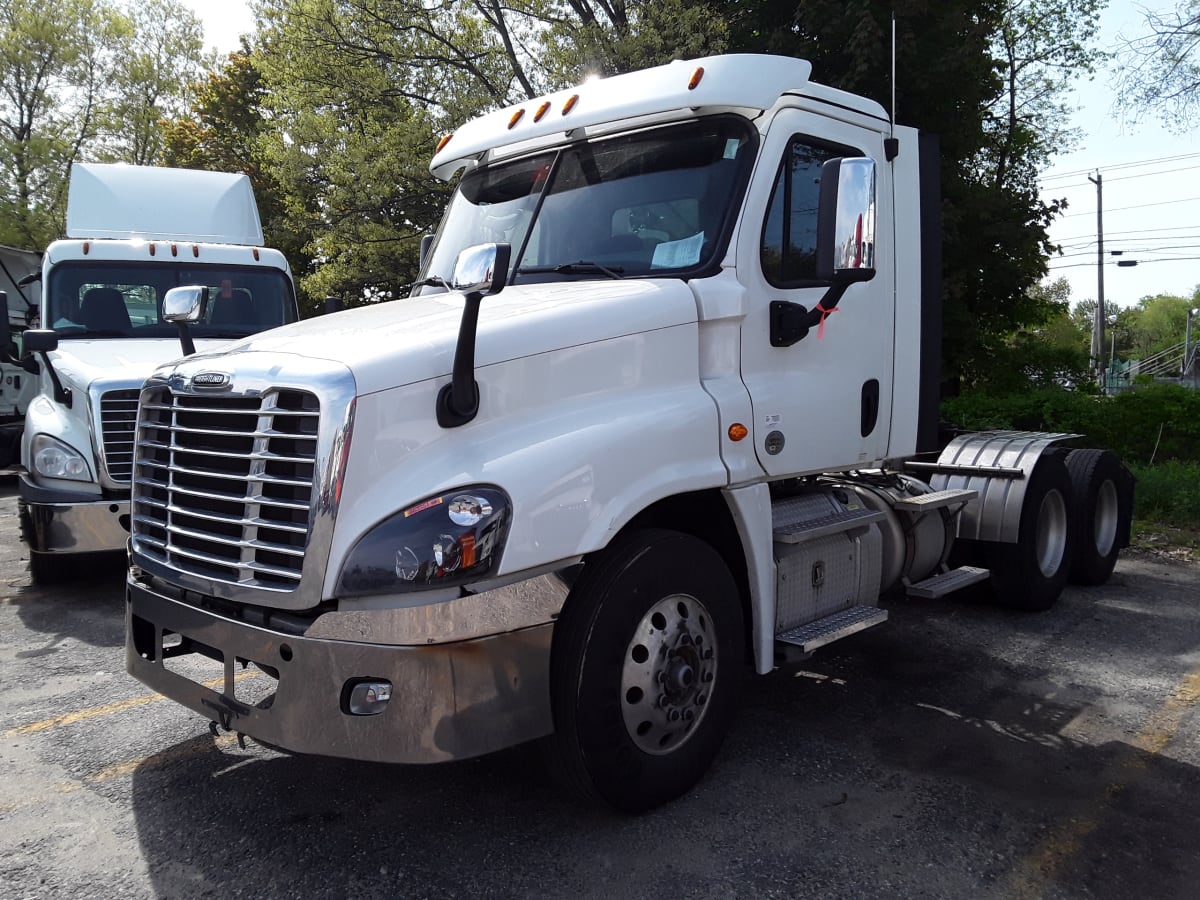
[(185, 338), (61, 394), (458, 401), (791, 322)]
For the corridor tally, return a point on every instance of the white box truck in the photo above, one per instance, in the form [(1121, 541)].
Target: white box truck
[(617, 449), (133, 233)]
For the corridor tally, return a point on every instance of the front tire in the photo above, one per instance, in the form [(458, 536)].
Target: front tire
[(645, 670), (1032, 573)]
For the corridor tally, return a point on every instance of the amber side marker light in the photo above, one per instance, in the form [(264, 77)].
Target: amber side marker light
[(737, 431), (541, 111), (516, 117), (696, 77), (570, 104), (443, 142)]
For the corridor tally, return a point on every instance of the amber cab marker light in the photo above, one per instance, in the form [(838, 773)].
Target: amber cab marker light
[(696, 76), (541, 111), (86, 247), (737, 431), (152, 248), (195, 250), (255, 252), (570, 104), (516, 117), (443, 142), (174, 250)]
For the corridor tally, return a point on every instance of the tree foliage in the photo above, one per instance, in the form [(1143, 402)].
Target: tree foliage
[(1160, 70), (984, 77), (360, 90), (81, 79)]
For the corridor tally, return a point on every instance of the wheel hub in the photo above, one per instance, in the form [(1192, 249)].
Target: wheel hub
[(668, 674)]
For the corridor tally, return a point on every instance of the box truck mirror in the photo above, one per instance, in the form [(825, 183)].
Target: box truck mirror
[(183, 305), (846, 221)]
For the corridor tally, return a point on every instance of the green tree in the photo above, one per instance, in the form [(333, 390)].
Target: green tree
[(983, 77), (1159, 322), (1160, 69), (55, 56), (360, 90)]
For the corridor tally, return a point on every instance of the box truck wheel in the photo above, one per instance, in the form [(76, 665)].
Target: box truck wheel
[(1031, 573), (645, 670), (1103, 506)]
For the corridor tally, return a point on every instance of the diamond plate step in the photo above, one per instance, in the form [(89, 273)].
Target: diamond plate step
[(935, 499), (947, 582), (840, 624), (835, 523)]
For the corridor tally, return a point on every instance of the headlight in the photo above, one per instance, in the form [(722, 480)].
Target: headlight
[(443, 541), (54, 459)]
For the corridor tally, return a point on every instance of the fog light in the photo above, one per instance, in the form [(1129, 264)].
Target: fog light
[(368, 698)]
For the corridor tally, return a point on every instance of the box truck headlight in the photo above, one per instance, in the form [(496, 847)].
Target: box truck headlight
[(54, 459), (451, 539)]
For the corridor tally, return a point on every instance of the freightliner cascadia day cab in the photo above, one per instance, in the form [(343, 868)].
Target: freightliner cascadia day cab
[(134, 233), (616, 450)]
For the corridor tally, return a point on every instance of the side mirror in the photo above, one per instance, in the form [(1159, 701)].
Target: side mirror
[(334, 304), (482, 269), (39, 340), (426, 243), (846, 221), (185, 304)]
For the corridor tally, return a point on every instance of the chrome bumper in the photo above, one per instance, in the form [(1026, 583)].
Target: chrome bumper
[(449, 701), (60, 522)]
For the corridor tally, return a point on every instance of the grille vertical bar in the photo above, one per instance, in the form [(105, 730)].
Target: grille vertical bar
[(118, 421), (223, 486)]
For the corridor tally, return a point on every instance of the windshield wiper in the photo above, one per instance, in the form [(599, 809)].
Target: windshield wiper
[(576, 268), (432, 281)]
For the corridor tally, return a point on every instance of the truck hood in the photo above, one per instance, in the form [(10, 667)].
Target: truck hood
[(406, 341), (118, 362)]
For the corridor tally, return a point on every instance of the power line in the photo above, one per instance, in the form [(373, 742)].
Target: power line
[(1141, 262), (1117, 166), (1139, 250), (1131, 231), (1135, 206)]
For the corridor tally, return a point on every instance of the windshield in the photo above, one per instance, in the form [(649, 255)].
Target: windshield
[(123, 299), (656, 202)]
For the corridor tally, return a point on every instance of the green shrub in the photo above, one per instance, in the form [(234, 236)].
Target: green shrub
[(1168, 492), (1157, 422)]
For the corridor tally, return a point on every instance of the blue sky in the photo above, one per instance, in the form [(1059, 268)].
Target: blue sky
[(1151, 176)]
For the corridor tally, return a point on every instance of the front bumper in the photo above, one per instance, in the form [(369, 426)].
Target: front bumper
[(66, 522), (449, 701)]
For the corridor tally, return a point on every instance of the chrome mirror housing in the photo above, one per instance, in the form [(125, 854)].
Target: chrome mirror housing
[(482, 269), (185, 304)]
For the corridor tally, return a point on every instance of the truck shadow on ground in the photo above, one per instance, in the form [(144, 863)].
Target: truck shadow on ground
[(89, 609), (901, 764)]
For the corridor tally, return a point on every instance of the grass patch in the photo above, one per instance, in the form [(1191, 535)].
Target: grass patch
[(1168, 494)]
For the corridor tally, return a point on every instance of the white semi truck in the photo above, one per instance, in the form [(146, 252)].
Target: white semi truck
[(617, 449), (133, 233)]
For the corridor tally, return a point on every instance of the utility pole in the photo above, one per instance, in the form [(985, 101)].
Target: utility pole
[(1097, 353)]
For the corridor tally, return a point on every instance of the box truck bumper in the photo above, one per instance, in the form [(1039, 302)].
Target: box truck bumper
[(65, 522), (447, 701)]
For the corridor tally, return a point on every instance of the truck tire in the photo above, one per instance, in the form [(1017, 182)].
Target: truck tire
[(645, 670), (1102, 496), (1032, 573)]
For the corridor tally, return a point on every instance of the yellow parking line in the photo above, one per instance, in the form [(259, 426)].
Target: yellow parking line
[(1043, 865), (108, 709)]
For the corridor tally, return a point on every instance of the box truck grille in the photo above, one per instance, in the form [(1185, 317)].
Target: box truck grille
[(118, 420), (224, 485)]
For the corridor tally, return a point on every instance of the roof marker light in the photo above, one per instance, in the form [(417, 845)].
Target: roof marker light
[(195, 250), (174, 250), (516, 117), (152, 248), (570, 104), (86, 246), (541, 111), (255, 251), (443, 142), (696, 76)]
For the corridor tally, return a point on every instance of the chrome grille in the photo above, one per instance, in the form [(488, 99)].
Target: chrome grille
[(118, 420), (224, 485)]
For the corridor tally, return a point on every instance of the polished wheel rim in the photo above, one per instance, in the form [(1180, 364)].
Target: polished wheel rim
[(669, 671), (1104, 524), (1051, 533)]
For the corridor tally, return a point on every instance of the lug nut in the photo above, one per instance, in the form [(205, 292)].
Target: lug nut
[(673, 715), (707, 677), (702, 699)]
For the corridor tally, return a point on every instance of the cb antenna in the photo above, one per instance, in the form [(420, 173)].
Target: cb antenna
[(891, 146)]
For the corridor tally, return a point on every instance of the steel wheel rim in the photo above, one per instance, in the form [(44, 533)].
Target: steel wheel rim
[(1051, 533), (669, 670), (1104, 523)]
